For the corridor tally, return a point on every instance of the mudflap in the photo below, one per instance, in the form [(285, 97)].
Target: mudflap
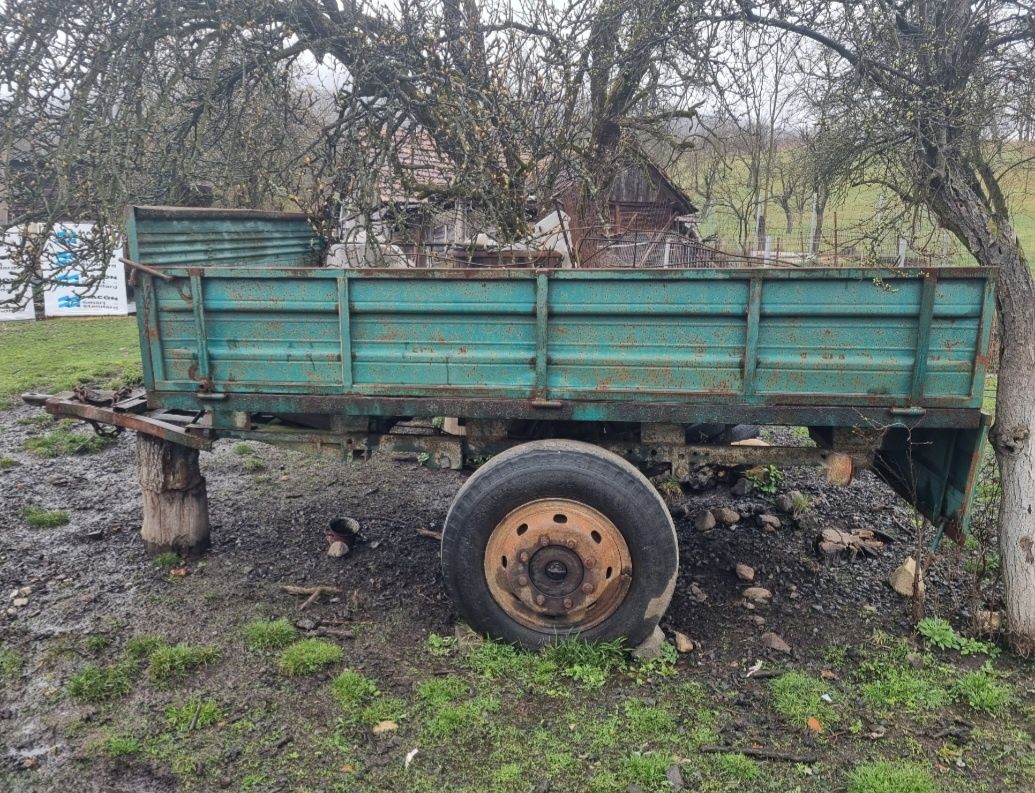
[(935, 470)]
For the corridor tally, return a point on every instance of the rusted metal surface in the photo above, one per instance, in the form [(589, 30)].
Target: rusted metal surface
[(687, 411), (250, 327), (557, 563), (68, 406)]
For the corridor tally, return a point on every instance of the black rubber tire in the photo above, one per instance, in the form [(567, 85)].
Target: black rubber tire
[(561, 469)]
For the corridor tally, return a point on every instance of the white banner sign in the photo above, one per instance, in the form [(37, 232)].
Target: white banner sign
[(67, 261), (7, 274)]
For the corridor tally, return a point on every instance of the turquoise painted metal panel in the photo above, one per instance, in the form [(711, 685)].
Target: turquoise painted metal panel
[(181, 236), (752, 337)]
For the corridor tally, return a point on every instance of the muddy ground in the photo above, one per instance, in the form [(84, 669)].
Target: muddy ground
[(93, 587)]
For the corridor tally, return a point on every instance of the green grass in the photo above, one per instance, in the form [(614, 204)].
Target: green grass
[(269, 634), (166, 560), (797, 697), (647, 771), (195, 714), (40, 518), (983, 691), (307, 656), (352, 690), (887, 776), (254, 465), (118, 747), (94, 683), (10, 664), (439, 691), (736, 767), (243, 449), (140, 647), (891, 686), (65, 441), (57, 355), (7, 463), (170, 664)]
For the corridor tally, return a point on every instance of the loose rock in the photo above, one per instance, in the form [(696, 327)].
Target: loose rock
[(757, 594), (675, 778), (745, 572), (769, 521), (902, 579), (773, 641), (704, 521), (726, 516), (684, 644), (697, 593), (337, 549)]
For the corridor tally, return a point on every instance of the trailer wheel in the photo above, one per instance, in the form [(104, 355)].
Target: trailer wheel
[(559, 538)]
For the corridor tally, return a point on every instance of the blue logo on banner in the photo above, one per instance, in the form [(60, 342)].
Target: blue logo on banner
[(65, 259), (68, 278), (68, 236), (69, 301)]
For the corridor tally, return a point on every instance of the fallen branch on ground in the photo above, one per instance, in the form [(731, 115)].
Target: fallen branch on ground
[(434, 535), (765, 754), (314, 592)]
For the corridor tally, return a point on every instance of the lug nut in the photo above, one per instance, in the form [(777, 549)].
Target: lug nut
[(544, 540), (540, 600), (588, 588), (523, 580), (570, 543), (567, 603), (589, 562), (523, 556)]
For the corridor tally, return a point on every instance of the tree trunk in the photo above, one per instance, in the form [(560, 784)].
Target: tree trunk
[(992, 240), (1011, 437), (174, 495)]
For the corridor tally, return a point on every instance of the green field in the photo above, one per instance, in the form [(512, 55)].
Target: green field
[(57, 355), (857, 213)]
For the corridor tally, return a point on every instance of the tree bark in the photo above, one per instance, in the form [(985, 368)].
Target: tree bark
[(992, 240), (174, 496), (1011, 437)]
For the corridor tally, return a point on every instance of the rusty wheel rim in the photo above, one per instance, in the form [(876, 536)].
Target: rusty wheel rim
[(557, 564)]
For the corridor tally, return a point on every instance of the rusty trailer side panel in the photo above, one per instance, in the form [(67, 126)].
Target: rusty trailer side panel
[(249, 323)]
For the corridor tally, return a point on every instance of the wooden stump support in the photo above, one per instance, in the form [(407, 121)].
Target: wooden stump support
[(174, 495)]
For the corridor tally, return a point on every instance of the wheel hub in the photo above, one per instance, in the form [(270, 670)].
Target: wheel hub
[(557, 563)]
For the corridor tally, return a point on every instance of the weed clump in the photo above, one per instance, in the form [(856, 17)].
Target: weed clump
[(307, 656), (95, 683), (166, 560), (352, 689), (64, 441), (269, 634), (10, 664), (798, 697), (120, 746), (7, 463), (171, 663), (40, 518), (890, 777), (193, 715), (941, 634), (140, 647), (889, 686), (983, 691)]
